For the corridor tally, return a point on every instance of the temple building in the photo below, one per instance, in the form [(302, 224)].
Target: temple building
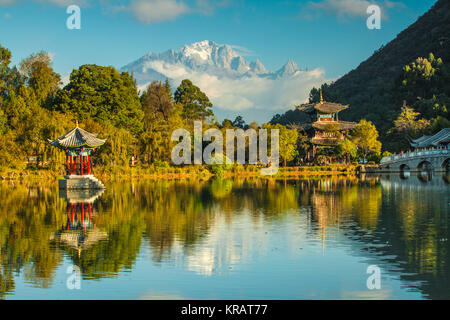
[(440, 140), (79, 145), (324, 127)]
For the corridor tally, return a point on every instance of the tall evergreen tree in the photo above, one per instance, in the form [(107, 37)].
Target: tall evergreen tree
[(196, 104)]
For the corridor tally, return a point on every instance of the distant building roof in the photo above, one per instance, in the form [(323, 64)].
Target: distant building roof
[(77, 138), (322, 107), (442, 137)]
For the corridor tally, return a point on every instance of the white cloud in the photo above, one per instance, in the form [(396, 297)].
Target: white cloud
[(243, 51), (145, 11), (52, 55), (7, 2), (344, 9), (259, 98), (64, 3), (154, 11), (208, 7), (151, 11)]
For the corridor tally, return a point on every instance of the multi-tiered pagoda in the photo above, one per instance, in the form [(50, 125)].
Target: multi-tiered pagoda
[(79, 145), (324, 127)]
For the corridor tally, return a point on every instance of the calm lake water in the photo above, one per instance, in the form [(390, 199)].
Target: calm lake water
[(229, 239)]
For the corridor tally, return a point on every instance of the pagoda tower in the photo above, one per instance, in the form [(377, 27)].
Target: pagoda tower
[(79, 145), (324, 127)]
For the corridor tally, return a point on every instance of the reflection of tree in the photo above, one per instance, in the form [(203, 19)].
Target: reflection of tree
[(335, 201), (28, 218), (412, 226), (115, 238), (174, 212), (389, 220), (221, 188), (418, 225), (183, 214)]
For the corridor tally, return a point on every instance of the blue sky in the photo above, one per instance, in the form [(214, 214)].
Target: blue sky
[(328, 34)]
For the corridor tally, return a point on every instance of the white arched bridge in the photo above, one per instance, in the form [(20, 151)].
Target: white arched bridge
[(429, 160)]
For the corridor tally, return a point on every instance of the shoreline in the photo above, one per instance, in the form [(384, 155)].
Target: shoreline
[(200, 172)]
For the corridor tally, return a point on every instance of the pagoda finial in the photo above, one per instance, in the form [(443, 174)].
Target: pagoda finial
[(321, 98), (77, 123)]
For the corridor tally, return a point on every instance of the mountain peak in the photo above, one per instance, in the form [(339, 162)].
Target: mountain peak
[(289, 68), (206, 57)]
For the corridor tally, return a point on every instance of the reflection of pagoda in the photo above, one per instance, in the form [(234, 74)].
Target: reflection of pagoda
[(78, 145), (80, 232), (324, 127)]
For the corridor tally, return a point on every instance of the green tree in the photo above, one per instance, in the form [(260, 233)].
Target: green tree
[(239, 122), (40, 77), (161, 116), (347, 149), (226, 124), (104, 94), (407, 126), (365, 136), (409, 123), (196, 105), (10, 78), (287, 141)]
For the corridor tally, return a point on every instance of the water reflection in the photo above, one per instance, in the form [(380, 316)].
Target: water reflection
[(80, 232), (209, 228)]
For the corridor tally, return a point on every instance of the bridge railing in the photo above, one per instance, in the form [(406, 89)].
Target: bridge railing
[(413, 154)]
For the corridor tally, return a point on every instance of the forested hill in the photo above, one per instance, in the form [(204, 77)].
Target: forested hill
[(367, 89)]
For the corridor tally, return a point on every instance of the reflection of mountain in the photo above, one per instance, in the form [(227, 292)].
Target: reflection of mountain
[(226, 245)]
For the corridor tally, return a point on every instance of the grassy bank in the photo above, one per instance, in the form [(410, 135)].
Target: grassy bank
[(168, 172)]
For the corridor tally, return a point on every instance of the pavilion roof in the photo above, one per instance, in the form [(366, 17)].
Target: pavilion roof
[(442, 137), (77, 138), (322, 107), (81, 195), (80, 240)]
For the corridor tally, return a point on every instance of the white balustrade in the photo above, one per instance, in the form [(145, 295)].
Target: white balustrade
[(415, 153)]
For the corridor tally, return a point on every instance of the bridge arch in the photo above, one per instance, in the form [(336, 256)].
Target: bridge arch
[(425, 176), (404, 167), (425, 166), (405, 174), (446, 164)]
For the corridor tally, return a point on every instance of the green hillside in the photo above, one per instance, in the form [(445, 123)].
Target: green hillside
[(374, 89)]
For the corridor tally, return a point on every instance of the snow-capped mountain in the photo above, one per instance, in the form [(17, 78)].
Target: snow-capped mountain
[(206, 57), (234, 85)]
